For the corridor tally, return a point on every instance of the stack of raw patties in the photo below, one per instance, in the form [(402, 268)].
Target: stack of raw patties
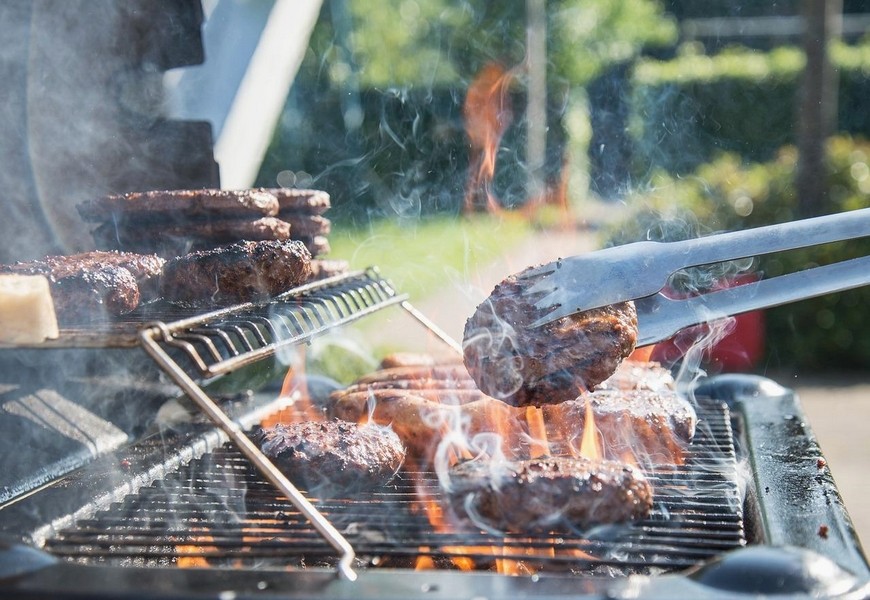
[(175, 222)]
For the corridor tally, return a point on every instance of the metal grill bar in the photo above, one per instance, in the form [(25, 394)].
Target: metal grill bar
[(218, 511), (220, 342)]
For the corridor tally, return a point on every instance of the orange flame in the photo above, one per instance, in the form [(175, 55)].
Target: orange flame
[(590, 445), (487, 113), (539, 445), (302, 409), (190, 556), (424, 562)]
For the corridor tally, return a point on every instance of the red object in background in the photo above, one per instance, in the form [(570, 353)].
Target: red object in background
[(741, 349)]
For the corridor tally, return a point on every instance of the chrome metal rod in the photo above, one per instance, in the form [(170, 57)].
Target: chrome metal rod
[(247, 447), (660, 317), (431, 326)]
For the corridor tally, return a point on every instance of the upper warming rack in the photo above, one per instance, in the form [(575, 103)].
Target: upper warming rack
[(219, 342)]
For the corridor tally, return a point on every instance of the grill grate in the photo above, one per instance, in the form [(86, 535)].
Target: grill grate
[(217, 511)]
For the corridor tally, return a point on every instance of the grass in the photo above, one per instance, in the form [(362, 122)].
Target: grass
[(422, 256)]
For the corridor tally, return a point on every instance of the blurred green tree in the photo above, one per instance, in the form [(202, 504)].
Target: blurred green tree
[(412, 42), (375, 113)]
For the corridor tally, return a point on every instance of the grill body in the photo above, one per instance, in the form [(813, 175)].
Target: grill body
[(207, 523)]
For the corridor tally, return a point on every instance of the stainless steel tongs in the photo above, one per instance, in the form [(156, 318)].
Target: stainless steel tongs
[(640, 271)]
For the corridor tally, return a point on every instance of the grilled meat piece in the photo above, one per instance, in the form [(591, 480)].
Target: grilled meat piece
[(323, 269), (522, 365), (308, 226), (95, 285), (235, 273), (547, 494), (637, 375), (167, 206), (300, 202), (330, 458), (94, 295), (213, 231), (653, 426)]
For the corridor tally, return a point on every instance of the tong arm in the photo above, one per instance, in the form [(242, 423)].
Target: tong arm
[(660, 317), (641, 269)]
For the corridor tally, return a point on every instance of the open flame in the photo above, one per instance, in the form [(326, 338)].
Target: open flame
[(538, 446), (487, 112), (590, 444)]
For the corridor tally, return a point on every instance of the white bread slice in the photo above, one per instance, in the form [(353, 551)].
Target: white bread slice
[(26, 310)]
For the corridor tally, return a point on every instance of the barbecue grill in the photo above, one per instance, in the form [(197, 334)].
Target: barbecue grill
[(183, 510)]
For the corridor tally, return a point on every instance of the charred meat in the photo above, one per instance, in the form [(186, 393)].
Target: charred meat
[(332, 458), (522, 365), (638, 375), (235, 273), (548, 494), (293, 201), (176, 205), (654, 427)]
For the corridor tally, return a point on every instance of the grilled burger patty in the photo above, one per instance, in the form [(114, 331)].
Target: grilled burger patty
[(235, 273), (548, 493), (295, 201), (180, 205), (333, 457), (522, 365), (217, 231)]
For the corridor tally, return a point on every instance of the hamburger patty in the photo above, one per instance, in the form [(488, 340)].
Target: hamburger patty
[(548, 494), (522, 365), (333, 457), (215, 231), (235, 273), (179, 205), (300, 202)]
